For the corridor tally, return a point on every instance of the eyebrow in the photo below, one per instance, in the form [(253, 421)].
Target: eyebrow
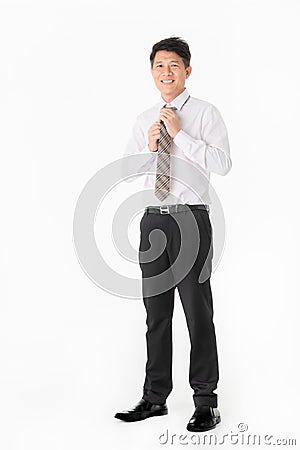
[(174, 60)]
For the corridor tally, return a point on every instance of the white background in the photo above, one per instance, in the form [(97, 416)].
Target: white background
[(71, 73)]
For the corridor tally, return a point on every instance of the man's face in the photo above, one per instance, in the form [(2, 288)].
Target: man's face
[(169, 74)]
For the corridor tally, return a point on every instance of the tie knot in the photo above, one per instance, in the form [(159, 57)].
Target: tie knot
[(170, 107)]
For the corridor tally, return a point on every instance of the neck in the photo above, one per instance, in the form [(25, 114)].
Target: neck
[(171, 97)]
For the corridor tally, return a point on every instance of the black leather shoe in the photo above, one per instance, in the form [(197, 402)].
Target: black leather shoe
[(205, 418), (141, 411)]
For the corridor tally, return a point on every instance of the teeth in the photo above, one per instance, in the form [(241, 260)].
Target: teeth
[(167, 81)]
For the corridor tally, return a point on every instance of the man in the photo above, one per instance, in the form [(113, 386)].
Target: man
[(193, 133)]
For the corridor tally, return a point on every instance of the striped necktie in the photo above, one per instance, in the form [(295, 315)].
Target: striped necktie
[(162, 182)]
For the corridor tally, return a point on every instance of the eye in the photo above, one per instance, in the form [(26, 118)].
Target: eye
[(158, 65)]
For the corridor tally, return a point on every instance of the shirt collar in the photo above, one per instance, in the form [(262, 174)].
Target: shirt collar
[(177, 102)]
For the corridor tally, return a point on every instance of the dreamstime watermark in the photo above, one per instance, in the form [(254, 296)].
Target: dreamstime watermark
[(240, 437), (89, 205)]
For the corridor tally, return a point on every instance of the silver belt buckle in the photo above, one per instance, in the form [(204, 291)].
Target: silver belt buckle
[(164, 209)]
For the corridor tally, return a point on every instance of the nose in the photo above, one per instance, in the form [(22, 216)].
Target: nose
[(168, 70)]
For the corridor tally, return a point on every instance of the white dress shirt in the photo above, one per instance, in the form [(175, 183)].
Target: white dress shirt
[(199, 148)]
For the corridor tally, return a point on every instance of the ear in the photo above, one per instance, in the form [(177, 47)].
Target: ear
[(188, 71)]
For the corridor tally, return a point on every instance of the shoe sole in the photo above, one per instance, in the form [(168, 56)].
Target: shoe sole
[(147, 416), (191, 428)]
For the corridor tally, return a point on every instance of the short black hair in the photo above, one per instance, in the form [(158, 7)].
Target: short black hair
[(173, 44)]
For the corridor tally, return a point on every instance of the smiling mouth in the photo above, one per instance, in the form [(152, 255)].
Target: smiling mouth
[(167, 81)]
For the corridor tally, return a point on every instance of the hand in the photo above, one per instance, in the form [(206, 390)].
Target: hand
[(153, 136), (171, 121)]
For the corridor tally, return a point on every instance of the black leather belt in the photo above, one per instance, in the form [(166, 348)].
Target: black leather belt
[(170, 209)]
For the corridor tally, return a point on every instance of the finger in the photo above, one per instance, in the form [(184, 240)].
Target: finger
[(156, 125), (163, 117), (157, 128), (168, 112), (166, 116), (154, 132)]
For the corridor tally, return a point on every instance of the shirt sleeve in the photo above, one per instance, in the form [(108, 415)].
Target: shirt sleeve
[(138, 145), (212, 151)]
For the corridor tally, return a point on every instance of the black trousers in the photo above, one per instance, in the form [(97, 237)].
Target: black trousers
[(196, 298)]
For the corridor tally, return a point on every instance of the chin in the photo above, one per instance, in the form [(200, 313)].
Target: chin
[(169, 90)]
